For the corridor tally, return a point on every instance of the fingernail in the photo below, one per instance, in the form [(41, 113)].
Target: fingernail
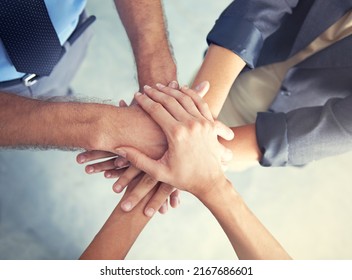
[(173, 84), (121, 153), (118, 188), (147, 87), (107, 174), (163, 209), (126, 206), (150, 212), (197, 88), (175, 201), (89, 169), (158, 85), (200, 86), (81, 159), (185, 87), (137, 94), (119, 163)]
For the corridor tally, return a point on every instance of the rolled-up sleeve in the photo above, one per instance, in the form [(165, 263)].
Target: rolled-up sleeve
[(245, 24), (306, 134)]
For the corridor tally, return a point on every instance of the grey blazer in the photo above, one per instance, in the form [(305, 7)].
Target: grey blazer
[(311, 117)]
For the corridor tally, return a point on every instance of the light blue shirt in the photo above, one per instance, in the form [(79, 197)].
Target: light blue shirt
[(64, 15)]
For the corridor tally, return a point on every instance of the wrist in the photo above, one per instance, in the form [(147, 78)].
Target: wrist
[(223, 199), (130, 126), (244, 146), (156, 67), (214, 192)]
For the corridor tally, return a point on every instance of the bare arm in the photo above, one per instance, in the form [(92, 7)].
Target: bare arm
[(192, 163), (249, 238), (221, 67), (27, 122), (119, 232), (146, 28)]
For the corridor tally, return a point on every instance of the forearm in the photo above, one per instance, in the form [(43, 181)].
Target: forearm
[(27, 122), (244, 147), (119, 233), (145, 26), (249, 238), (220, 67), (34, 123)]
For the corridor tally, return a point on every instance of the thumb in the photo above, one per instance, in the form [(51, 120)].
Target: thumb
[(139, 160), (202, 88)]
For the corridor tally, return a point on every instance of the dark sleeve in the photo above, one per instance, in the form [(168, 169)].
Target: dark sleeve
[(245, 24), (306, 134)]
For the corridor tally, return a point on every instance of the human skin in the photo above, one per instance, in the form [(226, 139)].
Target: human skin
[(75, 122), (122, 228), (28, 122), (146, 29), (220, 67), (125, 177), (119, 232), (192, 163)]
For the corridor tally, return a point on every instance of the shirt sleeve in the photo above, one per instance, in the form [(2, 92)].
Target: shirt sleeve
[(245, 24), (306, 134)]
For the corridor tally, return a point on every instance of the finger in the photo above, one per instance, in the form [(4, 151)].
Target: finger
[(164, 207), (133, 102), (185, 100), (158, 199), (100, 166), (223, 131), (142, 162), (226, 156), (126, 178), (175, 199), (202, 88), (156, 111), (224, 167), (201, 105), (173, 84), (121, 162), (144, 186), (93, 155), (114, 173), (122, 103), (171, 104)]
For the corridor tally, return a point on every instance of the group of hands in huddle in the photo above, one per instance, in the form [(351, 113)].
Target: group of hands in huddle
[(194, 161)]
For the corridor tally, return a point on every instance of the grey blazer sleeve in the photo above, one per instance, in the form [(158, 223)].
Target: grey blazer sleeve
[(245, 24), (306, 134)]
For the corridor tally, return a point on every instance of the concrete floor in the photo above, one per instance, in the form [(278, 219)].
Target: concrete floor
[(50, 209)]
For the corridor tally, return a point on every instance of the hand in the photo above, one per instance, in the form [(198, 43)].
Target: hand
[(138, 193), (159, 199), (193, 159), (112, 166), (116, 166)]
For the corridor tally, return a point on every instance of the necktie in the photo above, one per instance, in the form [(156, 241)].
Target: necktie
[(29, 36)]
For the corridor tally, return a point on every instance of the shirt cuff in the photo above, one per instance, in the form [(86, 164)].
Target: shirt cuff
[(238, 35), (271, 130)]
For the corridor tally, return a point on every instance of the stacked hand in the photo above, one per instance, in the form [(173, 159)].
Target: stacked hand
[(185, 119)]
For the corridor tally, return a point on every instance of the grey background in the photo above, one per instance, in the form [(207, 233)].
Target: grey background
[(50, 209)]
